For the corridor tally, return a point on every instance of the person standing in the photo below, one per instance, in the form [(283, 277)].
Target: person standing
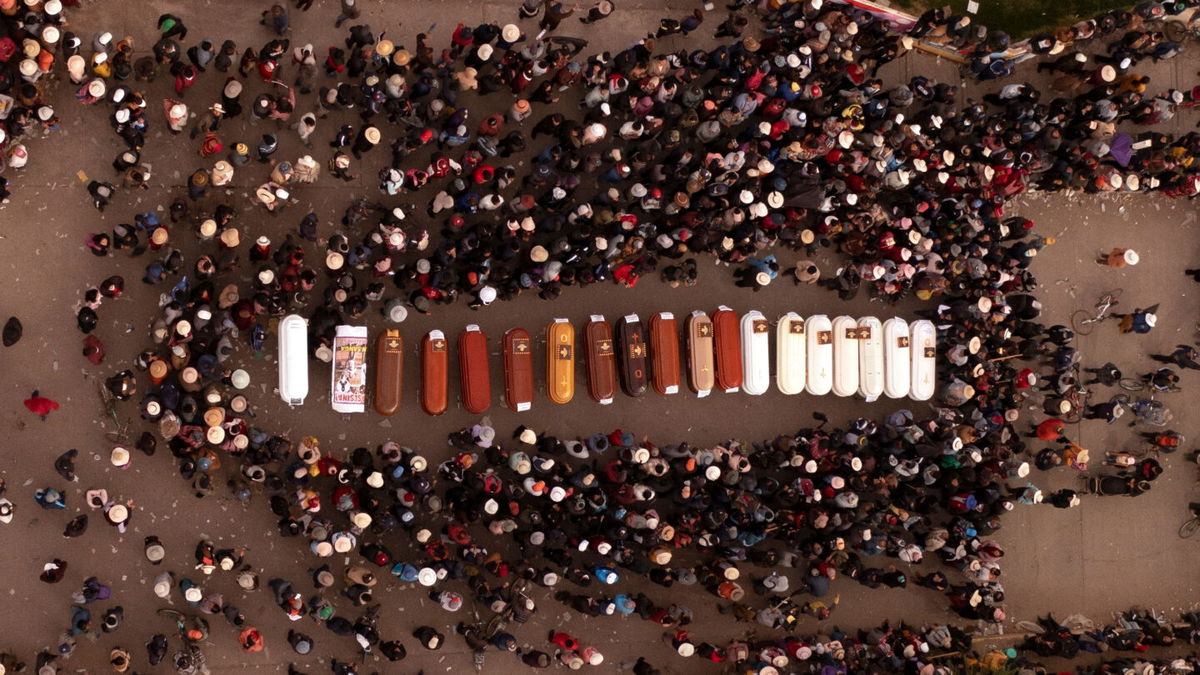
[(555, 13), (602, 10), (349, 11)]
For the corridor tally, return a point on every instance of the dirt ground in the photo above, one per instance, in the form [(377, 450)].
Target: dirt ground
[(1096, 559)]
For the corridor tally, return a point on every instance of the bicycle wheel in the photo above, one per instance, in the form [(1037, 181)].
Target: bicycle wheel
[(1132, 384), (1190, 527), (1175, 30), (1031, 627), (1081, 322)]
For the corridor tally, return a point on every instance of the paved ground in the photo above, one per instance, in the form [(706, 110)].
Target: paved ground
[(1096, 559)]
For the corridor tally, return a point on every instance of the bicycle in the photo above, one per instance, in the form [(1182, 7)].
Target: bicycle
[(1152, 412), (120, 432), (1140, 384), (1190, 526), (1084, 321)]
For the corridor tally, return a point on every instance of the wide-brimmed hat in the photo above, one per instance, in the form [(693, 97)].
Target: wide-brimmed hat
[(538, 254), (510, 32), (334, 260), (233, 89), (155, 552), (119, 456), (401, 57), (385, 48), (230, 237), (118, 513), (240, 379), (96, 88), (372, 135)]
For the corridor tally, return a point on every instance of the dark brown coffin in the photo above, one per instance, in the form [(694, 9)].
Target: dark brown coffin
[(518, 370), (702, 370), (664, 354), (475, 376), (727, 345), (389, 371), (601, 359), (634, 358), (435, 371)]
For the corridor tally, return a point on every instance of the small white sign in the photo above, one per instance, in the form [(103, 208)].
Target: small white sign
[(972, 7)]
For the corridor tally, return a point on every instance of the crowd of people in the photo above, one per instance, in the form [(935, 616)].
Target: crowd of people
[(783, 136)]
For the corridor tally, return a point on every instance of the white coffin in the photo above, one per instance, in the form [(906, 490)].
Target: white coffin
[(924, 360), (870, 358), (293, 359), (818, 332), (845, 356), (897, 358), (756, 353), (789, 354)]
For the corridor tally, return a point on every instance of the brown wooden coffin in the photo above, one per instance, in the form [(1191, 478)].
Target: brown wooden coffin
[(518, 370), (435, 371), (634, 361), (601, 360), (560, 361), (475, 377), (727, 345), (664, 354), (702, 375), (389, 371)]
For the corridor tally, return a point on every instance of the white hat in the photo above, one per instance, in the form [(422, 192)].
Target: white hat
[(193, 594), (324, 549), (372, 135), (50, 35), (487, 295), (638, 190), (686, 649), (162, 585), (233, 89), (334, 260), (1131, 257), (6, 511), (119, 457), (775, 199), (118, 513), (845, 139), (375, 479), (362, 519), (510, 33), (485, 52), (240, 379), (215, 435), (28, 67), (427, 577), (53, 7), (1151, 320), (178, 110), (557, 494), (713, 472)]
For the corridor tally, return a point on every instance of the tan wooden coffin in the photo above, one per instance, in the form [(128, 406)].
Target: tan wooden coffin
[(435, 371), (560, 361), (702, 369)]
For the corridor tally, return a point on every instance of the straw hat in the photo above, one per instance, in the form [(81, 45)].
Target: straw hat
[(230, 237), (155, 552), (401, 57), (538, 254), (159, 236), (233, 89), (240, 379), (372, 135), (118, 513), (215, 435), (119, 457), (214, 416), (96, 88), (385, 48), (510, 33), (334, 260)]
